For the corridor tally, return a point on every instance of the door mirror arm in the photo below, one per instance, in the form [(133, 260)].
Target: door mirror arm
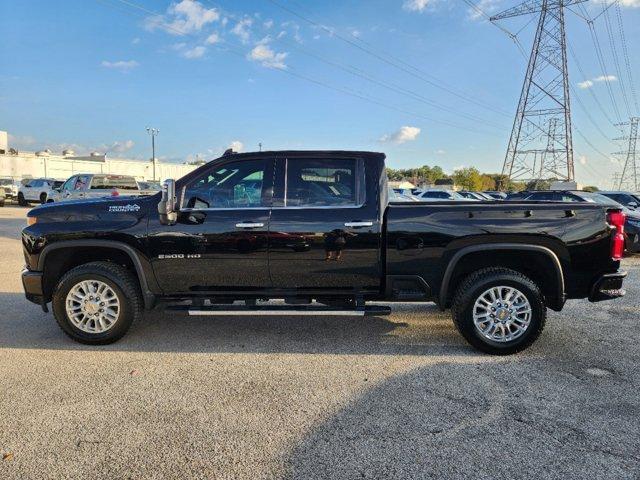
[(167, 204)]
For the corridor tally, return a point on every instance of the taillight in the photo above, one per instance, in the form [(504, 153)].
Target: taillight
[(617, 219), (115, 193)]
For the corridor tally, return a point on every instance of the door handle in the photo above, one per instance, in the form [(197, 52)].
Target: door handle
[(358, 224), (249, 225)]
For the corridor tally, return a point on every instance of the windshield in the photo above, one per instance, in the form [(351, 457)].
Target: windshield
[(6, 181)]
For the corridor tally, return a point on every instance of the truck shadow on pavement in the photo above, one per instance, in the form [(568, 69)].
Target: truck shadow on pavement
[(460, 418), (428, 331)]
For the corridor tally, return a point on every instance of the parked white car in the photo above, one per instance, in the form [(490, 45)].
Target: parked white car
[(39, 190)]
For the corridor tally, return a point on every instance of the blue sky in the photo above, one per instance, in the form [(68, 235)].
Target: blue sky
[(92, 74)]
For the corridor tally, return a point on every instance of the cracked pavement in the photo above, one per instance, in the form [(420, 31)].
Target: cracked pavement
[(390, 397)]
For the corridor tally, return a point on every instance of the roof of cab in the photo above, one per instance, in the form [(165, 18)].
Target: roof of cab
[(306, 153)]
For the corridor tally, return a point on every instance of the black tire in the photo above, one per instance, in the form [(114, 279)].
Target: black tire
[(479, 282), (43, 198), (121, 281), (21, 201)]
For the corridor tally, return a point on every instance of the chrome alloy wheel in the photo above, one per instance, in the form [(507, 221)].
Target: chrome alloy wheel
[(502, 314), (92, 306)]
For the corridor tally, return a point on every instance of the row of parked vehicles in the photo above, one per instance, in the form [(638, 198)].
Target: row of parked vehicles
[(85, 185)]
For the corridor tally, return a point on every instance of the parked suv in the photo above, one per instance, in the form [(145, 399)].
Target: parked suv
[(96, 185), (37, 190)]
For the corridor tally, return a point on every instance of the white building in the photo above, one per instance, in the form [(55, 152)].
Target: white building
[(19, 165)]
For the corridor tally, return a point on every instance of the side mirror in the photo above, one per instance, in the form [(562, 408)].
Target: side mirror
[(167, 204), (632, 205)]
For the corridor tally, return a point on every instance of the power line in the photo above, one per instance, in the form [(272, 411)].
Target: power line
[(584, 77), (601, 62), (238, 50), (626, 57), (388, 85), (616, 61), (388, 59)]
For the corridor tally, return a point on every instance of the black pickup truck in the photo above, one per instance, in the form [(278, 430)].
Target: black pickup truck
[(315, 228)]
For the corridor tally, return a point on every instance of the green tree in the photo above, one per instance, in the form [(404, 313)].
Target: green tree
[(469, 178), (590, 188)]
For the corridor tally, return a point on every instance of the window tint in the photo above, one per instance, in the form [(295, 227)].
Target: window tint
[(81, 183), (429, 194), (68, 185), (567, 197), (233, 185), (321, 182), (548, 196), (108, 182)]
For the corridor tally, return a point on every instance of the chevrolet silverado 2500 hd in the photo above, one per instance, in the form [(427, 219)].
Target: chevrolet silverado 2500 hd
[(315, 228)]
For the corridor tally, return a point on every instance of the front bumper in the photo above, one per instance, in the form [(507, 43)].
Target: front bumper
[(607, 287), (32, 284)]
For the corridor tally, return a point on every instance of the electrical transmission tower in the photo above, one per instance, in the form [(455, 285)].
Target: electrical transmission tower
[(540, 146), (629, 175)]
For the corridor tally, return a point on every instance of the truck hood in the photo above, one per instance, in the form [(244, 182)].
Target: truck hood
[(105, 209)]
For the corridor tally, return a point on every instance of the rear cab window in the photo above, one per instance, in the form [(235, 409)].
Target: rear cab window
[(109, 182)]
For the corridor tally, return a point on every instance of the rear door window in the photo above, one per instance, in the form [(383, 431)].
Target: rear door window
[(332, 182)]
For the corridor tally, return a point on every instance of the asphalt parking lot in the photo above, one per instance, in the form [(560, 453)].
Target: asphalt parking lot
[(391, 397)]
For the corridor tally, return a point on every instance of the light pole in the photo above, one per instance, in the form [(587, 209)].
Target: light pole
[(153, 132)]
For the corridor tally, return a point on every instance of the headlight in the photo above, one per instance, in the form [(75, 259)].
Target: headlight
[(31, 220)]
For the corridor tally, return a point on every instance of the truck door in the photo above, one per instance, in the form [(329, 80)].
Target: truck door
[(220, 239), (325, 232)]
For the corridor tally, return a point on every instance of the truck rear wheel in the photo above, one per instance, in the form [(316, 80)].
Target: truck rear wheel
[(499, 310), (97, 302)]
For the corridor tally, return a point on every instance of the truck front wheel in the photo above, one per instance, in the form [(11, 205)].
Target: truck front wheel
[(499, 310), (97, 302)]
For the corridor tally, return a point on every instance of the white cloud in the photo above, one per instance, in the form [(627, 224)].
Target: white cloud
[(268, 24), (122, 65), (630, 3), (415, 5), (241, 29), (236, 146), (212, 39), (601, 78), (405, 134), (582, 159), (135, 41), (120, 147), (263, 54), (195, 52), (440, 152), (183, 18)]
